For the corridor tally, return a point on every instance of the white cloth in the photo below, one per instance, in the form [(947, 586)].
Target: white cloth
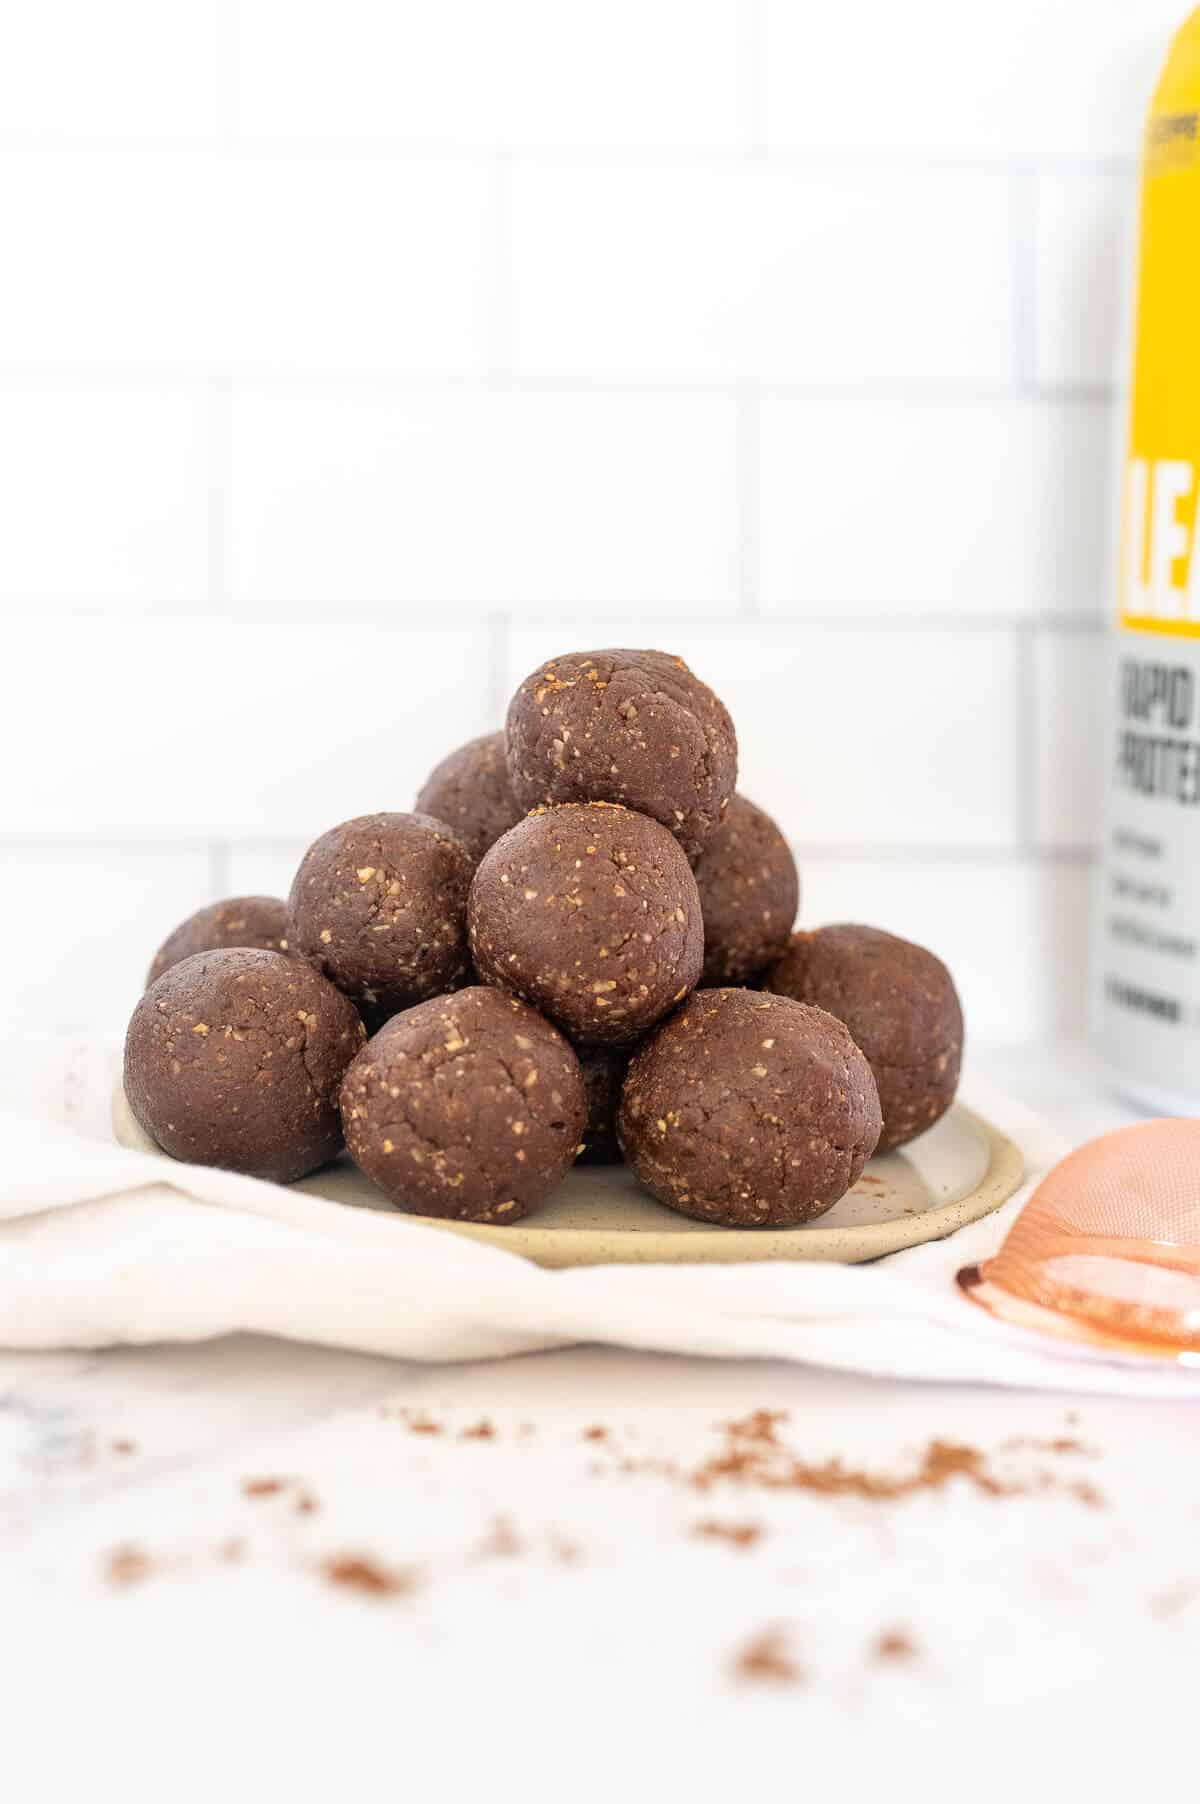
[(101, 1245)]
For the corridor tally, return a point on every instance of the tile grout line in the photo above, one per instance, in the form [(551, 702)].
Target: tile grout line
[(228, 28), (407, 382), (499, 625), (1028, 746), (1023, 272), (752, 44), (460, 614), (501, 345), (546, 154), (748, 419), (219, 856), (219, 851), (220, 493)]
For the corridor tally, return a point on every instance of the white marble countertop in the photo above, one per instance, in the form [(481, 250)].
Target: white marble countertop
[(541, 1610)]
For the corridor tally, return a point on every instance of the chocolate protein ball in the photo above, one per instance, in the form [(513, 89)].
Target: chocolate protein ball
[(379, 907), (469, 1107), (604, 1069), (634, 727), (901, 1007), (748, 1110), (240, 921), (749, 893), (591, 913), (234, 1058), (471, 792)]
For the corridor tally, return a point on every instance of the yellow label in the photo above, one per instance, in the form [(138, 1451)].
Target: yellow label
[(1160, 545)]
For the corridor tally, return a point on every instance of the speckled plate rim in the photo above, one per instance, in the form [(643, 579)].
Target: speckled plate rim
[(743, 1246), (559, 1247)]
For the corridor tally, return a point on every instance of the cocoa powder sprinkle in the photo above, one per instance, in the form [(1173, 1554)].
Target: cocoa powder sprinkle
[(263, 1487), (419, 1423), (753, 1453), (501, 1541), (128, 1565), (766, 1660), (735, 1534), (895, 1644), (370, 1577)]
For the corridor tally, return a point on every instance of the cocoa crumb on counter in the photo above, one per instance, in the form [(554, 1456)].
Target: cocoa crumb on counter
[(765, 1659), (501, 1541), (595, 1433), (754, 1454), (128, 1565), (305, 1501), (894, 1644), (125, 1446), (482, 1431), (1175, 1600), (417, 1422), (1062, 1443), (370, 1577), (736, 1534), (264, 1487)]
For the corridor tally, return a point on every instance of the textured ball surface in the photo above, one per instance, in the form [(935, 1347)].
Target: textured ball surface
[(234, 1058), (591, 913), (749, 893), (378, 906), (749, 1111), (901, 1006), (259, 921), (632, 727), (471, 792), (469, 1107)]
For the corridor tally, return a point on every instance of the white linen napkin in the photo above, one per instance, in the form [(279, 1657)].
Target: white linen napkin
[(101, 1245)]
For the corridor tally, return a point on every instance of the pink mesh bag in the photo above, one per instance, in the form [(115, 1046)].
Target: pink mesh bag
[(1107, 1249)]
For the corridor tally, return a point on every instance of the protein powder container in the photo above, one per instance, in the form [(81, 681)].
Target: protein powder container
[(1147, 961)]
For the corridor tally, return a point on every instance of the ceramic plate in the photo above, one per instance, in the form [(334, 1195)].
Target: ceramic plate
[(960, 1170)]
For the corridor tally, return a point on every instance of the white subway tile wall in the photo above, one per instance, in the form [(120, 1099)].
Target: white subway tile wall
[(1083, 269), (353, 359), (756, 271), (369, 496)]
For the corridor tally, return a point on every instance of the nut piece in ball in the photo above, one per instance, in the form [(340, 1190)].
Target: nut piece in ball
[(470, 791), (604, 1069), (239, 921), (901, 1007), (634, 727), (749, 893), (748, 1110), (379, 907), (234, 1058), (469, 1107), (591, 913)]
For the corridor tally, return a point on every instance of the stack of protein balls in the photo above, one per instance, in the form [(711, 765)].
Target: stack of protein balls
[(579, 947)]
